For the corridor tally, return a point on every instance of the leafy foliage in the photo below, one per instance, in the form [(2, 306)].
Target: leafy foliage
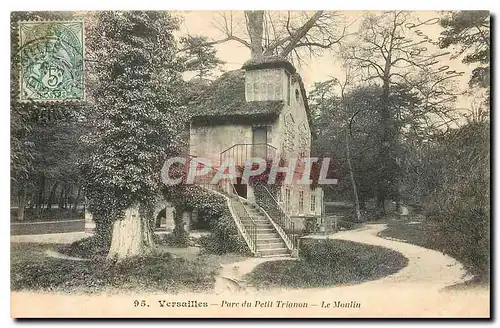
[(211, 207), (469, 33), (200, 56), (135, 109), (459, 184), (214, 210), (361, 108)]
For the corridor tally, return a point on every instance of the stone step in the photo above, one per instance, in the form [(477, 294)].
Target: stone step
[(257, 224), (265, 231), (257, 219), (266, 236), (269, 242), (279, 245), (274, 252), (261, 225), (273, 240), (277, 255)]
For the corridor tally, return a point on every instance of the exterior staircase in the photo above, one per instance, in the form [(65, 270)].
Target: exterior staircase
[(266, 229), (268, 240)]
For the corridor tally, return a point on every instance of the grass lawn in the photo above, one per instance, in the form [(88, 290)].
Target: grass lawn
[(418, 232), (328, 263), (161, 271)]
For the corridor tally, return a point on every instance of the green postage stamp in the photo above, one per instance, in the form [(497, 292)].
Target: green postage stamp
[(51, 60)]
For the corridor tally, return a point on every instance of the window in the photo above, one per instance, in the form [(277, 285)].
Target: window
[(313, 203), (287, 200), (297, 95), (301, 201)]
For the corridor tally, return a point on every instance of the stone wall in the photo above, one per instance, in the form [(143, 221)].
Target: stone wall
[(210, 141), (264, 84)]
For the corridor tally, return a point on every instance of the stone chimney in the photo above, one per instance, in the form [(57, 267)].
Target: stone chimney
[(268, 80)]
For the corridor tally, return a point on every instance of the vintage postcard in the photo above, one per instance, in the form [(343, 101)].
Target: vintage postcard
[(250, 164)]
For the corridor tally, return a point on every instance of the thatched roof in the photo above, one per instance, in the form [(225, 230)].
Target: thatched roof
[(225, 101), (269, 62)]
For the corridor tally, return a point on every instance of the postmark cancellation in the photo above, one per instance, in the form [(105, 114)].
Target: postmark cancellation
[(51, 60)]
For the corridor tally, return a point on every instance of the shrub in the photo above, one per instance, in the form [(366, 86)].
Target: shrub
[(347, 225), (90, 247), (225, 235), (224, 238), (311, 225), (325, 262), (175, 241), (460, 198), (466, 232)]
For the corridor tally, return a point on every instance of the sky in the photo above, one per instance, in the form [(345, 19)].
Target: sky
[(315, 69)]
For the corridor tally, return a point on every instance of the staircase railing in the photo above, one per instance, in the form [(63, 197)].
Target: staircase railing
[(239, 153), (251, 230), (240, 211), (268, 202)]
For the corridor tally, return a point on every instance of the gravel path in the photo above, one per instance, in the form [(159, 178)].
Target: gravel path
[(426, 268), (414, 291), (52, 238)]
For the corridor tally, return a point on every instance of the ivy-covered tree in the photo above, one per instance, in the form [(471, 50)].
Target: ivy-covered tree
[(136, 118)]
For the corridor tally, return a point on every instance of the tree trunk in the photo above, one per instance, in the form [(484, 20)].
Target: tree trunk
[(32, 200), (362, 204), (398, 203), (179, 233), (22, 203), (40, 194), (300, 33), (132, 236), (51, 196), (61, 196), (385, 144), (380, 204), (67, 195), (75, 204), (351, 173), (255, 27)]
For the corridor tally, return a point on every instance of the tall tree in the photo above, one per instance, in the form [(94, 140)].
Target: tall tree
[(389, 57), (199, 56), (350, 122), (134, 94), (282, 34)]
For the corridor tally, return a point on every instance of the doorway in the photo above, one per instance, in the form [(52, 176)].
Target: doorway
[(259, 141), (241, 188)]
